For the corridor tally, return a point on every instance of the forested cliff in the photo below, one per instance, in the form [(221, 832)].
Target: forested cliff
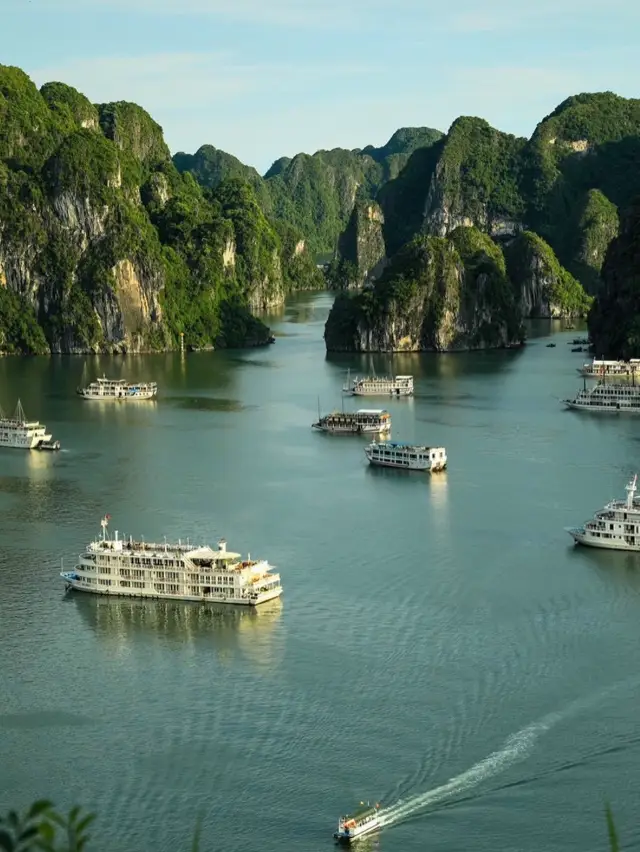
[(105, 246), (107, 243)]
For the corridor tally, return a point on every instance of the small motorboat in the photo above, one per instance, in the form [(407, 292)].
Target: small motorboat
[(362, 821), (48, 446), (551, 345)]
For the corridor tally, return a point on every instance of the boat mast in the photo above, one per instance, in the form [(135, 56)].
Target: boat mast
[(631, 490), (19, 413)]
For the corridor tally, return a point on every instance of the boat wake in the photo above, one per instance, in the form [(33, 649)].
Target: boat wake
[(516, 748)]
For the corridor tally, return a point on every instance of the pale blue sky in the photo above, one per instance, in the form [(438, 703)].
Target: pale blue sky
[(267, 78)]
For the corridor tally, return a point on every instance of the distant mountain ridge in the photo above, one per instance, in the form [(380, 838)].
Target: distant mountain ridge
[(314, 192)]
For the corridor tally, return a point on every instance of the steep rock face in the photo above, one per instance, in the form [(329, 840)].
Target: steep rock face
[(614, 320), (543, 287), (595, 225), (438, 294), (105, 246), (564, 184), (361, 245)]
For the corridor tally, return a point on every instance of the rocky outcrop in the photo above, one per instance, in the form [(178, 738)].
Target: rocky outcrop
[(437, 294), (614, 320), (106, 247), (543, 287), (362, 244)]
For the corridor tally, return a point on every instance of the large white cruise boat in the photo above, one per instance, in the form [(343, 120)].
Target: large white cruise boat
[(616, 527), (362, 821), (23, 434), (406, 456), (105, 388), (379, 386), (608, 398), (600, 368), (119, 566)]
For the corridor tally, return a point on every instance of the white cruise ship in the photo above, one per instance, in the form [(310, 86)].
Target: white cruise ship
[(379, 386), (23, 434), (117, 566), (105, 388), (616, 527), (599, 368), (608, 398), (362, 821), (406, 456)]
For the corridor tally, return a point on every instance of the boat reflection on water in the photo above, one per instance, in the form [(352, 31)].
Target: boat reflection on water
[(229, 630), (612, 566)]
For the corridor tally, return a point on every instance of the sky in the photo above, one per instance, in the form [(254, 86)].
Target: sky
[(263, 79)]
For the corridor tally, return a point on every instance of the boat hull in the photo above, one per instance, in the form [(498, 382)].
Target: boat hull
[(121, 398), (580, 536), (19, 442), (345, 838), (412, 465), (356, 430), (72, 583), (602, 409)]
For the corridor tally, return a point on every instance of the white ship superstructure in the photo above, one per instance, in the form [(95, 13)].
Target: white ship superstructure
[(120, 566), (379, 386), (20, 433), (406, 456), (601, 368), (105, 388), (616, 527), (611, 398)]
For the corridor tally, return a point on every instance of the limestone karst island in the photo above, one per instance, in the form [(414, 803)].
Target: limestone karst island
[(438, 241)]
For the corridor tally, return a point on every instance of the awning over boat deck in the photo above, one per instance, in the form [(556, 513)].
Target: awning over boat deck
[(208, 553)]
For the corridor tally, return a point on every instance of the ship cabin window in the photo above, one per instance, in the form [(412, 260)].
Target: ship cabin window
[(195, 590), (173, 588), (105, 582), (138, 584), (125, 584)]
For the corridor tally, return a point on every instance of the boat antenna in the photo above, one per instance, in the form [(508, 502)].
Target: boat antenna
[(631, 490), (318, 408)]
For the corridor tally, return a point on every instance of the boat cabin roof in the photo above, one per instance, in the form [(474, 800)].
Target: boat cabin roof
[(401, 445), (371, 411), (362, 813), (404, 377)]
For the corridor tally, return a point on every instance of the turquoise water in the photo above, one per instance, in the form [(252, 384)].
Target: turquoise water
[(440, 647)]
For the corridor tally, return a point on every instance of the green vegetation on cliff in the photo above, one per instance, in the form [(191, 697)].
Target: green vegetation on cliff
[(438, 293), (565, 183), (542, 281), (314, 193), (104, 245), (614, 320)]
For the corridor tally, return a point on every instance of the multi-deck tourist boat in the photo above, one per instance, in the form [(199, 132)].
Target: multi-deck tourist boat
[(616, 527), (362, 821), (608, 398), (105, 388), (24, 434), (406, 456), (597, 369), (117, 566), (379, 386), (366, 420)]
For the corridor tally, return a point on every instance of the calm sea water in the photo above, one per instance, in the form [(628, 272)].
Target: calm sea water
[(440, 647)]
